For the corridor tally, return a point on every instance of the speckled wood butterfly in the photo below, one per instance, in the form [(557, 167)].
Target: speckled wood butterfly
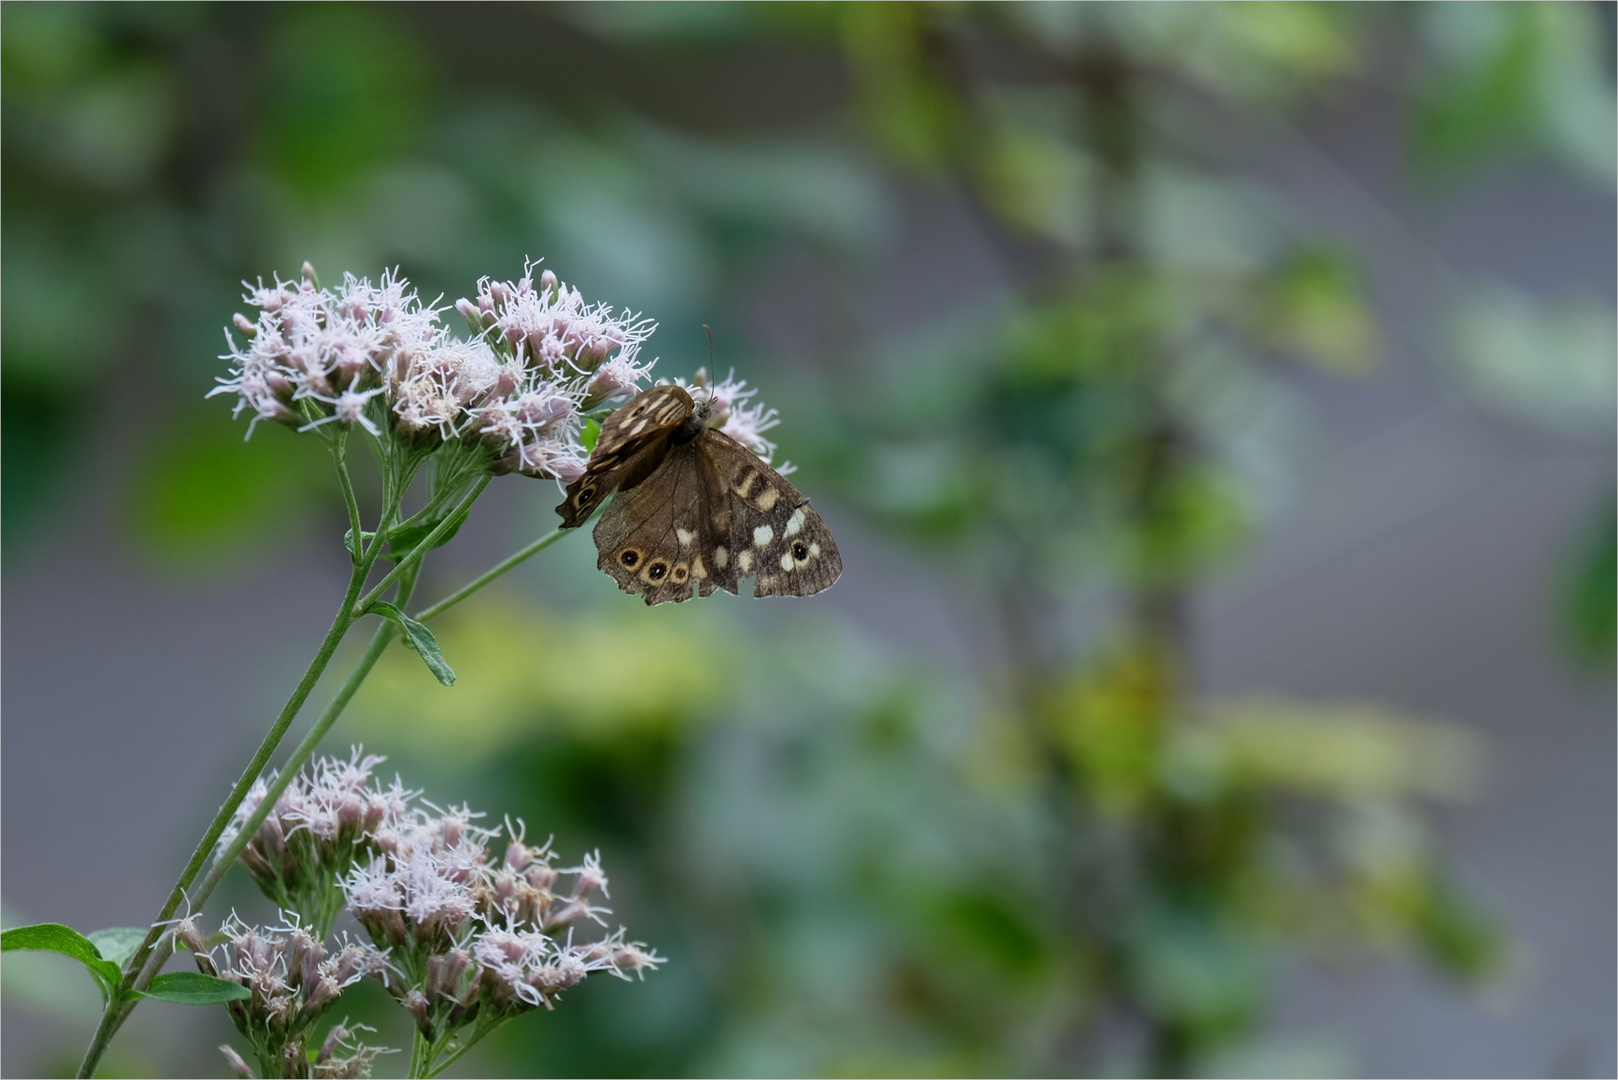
[(696, 510)]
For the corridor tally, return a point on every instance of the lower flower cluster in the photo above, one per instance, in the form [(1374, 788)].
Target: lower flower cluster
[(461, 941)]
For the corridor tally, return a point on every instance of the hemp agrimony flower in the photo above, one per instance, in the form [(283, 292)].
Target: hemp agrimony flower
[(326, 820), (293, 980), (513, 398), (475, 945), (462, 943)]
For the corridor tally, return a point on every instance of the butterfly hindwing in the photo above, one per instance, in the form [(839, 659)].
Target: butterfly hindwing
[(763, 526), (650, 539), (630, 447)]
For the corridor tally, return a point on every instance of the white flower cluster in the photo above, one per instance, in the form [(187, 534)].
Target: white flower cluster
[(292, 980), (326, 818), (477, 943), (375, 357), (573, 357), (462, 943)]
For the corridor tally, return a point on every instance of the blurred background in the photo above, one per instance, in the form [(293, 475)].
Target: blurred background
[(1213, 404)]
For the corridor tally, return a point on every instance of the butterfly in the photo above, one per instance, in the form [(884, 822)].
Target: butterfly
[(695, 510)]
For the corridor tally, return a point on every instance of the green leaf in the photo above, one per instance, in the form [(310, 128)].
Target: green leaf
[(54, 937), (420, 638), (118, 943), (193, 988), (401, 542), (589, 435)]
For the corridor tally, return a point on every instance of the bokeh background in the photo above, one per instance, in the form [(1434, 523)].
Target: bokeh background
[(1214, 405)]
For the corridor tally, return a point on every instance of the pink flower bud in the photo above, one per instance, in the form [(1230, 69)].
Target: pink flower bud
[(234, 1060), (351, 817), (305, 955), (417, 1006), (455, 965), (247, 326), (432, 985), (542, 877), (547, 281), (325, 991), (187, 934)]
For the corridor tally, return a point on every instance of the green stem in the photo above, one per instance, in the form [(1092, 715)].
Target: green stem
[(305, 749), (490, 574), (135, 975), (420, 549), (434, 1066), (418, 1055), (339, 454), (146, 963)]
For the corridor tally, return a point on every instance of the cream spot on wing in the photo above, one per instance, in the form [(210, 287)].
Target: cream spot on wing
[(763, 535), (766, 499), (745, 561), (786, 560), (814, 548), (698, 571), (684, 536), (721, 556), (745, 484), (640, 425), (795, 522), (765, 584)]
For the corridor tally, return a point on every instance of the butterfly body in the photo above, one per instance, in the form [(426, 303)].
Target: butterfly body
[(696, 511)]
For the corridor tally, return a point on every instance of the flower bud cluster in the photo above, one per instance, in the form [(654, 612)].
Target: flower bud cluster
[(328, 818), (476, 943), (462, 942), (568, 357), (376, 358), (292, 979)]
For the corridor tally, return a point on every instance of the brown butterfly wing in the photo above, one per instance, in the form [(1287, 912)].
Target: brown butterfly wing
[(631, 446), (651, 538), (761, 526)]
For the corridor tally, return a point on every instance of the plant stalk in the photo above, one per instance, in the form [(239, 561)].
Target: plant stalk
[(135, 969)]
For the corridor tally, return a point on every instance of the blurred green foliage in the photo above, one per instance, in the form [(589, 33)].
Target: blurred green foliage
[(1060, 859)]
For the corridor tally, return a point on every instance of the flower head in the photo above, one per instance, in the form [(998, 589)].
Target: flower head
[(291, 978), (328, 816)]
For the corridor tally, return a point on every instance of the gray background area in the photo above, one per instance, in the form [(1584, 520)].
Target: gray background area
[(1413, 565)]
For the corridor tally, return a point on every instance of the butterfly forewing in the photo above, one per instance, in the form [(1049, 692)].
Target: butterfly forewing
[(631, 446)]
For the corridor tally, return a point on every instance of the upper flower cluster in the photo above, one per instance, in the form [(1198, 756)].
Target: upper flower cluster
[(376, 357)]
